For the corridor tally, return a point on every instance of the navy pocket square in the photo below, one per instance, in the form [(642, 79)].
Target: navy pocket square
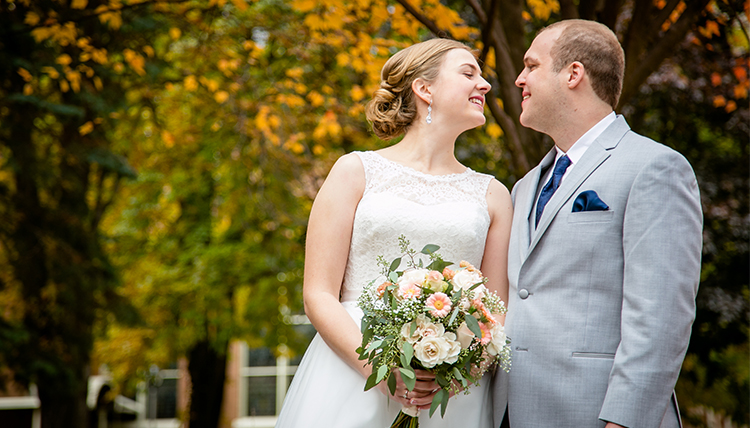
[(589, 201)]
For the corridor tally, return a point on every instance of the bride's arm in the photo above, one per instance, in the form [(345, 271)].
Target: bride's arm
[(329, 234), (495, 260), (327, 249)]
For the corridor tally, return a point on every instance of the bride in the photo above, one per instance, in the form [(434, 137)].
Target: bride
[(431, 92)]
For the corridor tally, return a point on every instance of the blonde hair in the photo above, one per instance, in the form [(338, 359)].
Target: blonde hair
[(393, 107), (596, 47)]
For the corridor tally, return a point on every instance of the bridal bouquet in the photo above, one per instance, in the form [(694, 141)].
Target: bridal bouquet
[(431, 318)]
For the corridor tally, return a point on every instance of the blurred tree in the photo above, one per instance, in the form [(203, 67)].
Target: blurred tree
[(231, 141), (63, 69)]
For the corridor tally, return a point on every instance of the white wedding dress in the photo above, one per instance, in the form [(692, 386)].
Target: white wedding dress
[(446, 210)]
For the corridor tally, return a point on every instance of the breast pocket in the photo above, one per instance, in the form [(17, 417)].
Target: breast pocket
[(591, 216)]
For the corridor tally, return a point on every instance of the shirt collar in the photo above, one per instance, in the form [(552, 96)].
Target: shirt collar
[(576, 151)]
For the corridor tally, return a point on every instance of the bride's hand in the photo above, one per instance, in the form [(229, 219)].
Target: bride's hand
[(422, 394)]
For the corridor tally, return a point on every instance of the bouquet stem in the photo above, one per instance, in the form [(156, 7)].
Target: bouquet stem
[(404, 420)]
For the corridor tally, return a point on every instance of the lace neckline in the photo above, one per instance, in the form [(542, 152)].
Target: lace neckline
[(420, 173)]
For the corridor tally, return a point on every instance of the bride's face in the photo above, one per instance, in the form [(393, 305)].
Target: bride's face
[(458, 93)]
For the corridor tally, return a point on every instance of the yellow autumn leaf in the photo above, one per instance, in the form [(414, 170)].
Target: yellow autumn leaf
[(191, 83), (719, 101), (221, 96), (66, 34), (318, 150), (74, 78), (135, 60), (79, 4), (174, 33), (41, 34), (86, 128), (274, 121), (542, 9), (316, 100), (357, 93), (24, 73), (295, 73), (149, 51), (31, 19), (300, 88), (241, 5), (99, 56), (64, 59), (167, 138), (494, 130), (304, 5), (28, 89), (51, 72), (98, 83)]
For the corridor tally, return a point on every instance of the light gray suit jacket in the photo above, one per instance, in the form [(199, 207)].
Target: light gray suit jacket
[(602, 302)]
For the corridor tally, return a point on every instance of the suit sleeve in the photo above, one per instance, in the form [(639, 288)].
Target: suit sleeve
[(662, 241)]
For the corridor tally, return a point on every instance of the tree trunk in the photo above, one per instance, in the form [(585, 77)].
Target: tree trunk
[(207, 370)]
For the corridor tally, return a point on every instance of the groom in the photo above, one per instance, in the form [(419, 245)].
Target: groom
[(605, 248)]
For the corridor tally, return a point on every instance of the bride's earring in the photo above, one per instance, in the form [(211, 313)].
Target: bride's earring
[(429, 113)]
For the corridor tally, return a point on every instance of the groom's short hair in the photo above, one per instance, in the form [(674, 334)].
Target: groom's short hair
[(596, 47)]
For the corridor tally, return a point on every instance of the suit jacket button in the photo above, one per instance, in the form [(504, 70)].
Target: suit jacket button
[(523, 293)]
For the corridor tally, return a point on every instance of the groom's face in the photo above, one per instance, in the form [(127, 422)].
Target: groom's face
[(541, 87)]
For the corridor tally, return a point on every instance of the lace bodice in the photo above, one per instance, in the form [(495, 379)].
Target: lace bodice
[(446, 210)]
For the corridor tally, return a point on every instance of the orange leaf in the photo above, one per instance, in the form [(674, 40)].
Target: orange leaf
[(715, 79)]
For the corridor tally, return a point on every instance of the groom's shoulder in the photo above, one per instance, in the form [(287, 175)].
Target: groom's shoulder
[(646, 149)]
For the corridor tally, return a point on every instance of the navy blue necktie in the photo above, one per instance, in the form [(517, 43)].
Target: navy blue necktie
[(561, 166)]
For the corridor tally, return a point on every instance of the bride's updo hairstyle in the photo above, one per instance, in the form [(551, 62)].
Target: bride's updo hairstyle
[(394, 107)]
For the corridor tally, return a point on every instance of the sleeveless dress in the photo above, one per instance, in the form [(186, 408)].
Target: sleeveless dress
[(446, 210)]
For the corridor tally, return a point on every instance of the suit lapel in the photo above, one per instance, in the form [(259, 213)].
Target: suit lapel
[(591, 160), (528, 197)]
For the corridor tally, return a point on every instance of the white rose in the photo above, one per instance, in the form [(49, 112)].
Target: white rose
[(414, 276), (465, 335), (406, 333), (498, 339), (465, 279), (455, 348), (426, 328), (432, 350)]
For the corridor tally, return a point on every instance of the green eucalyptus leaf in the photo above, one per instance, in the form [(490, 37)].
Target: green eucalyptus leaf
[(409, 377), (453, 315), (371, 381), (473, 325), (382, 372), (437, 400), (444, 403), (430, 248), (395, 264), (393, 277), (392, 383), (408, 352)]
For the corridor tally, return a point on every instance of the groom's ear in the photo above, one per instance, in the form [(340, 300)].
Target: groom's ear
[(576, 72), (421, 89)]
